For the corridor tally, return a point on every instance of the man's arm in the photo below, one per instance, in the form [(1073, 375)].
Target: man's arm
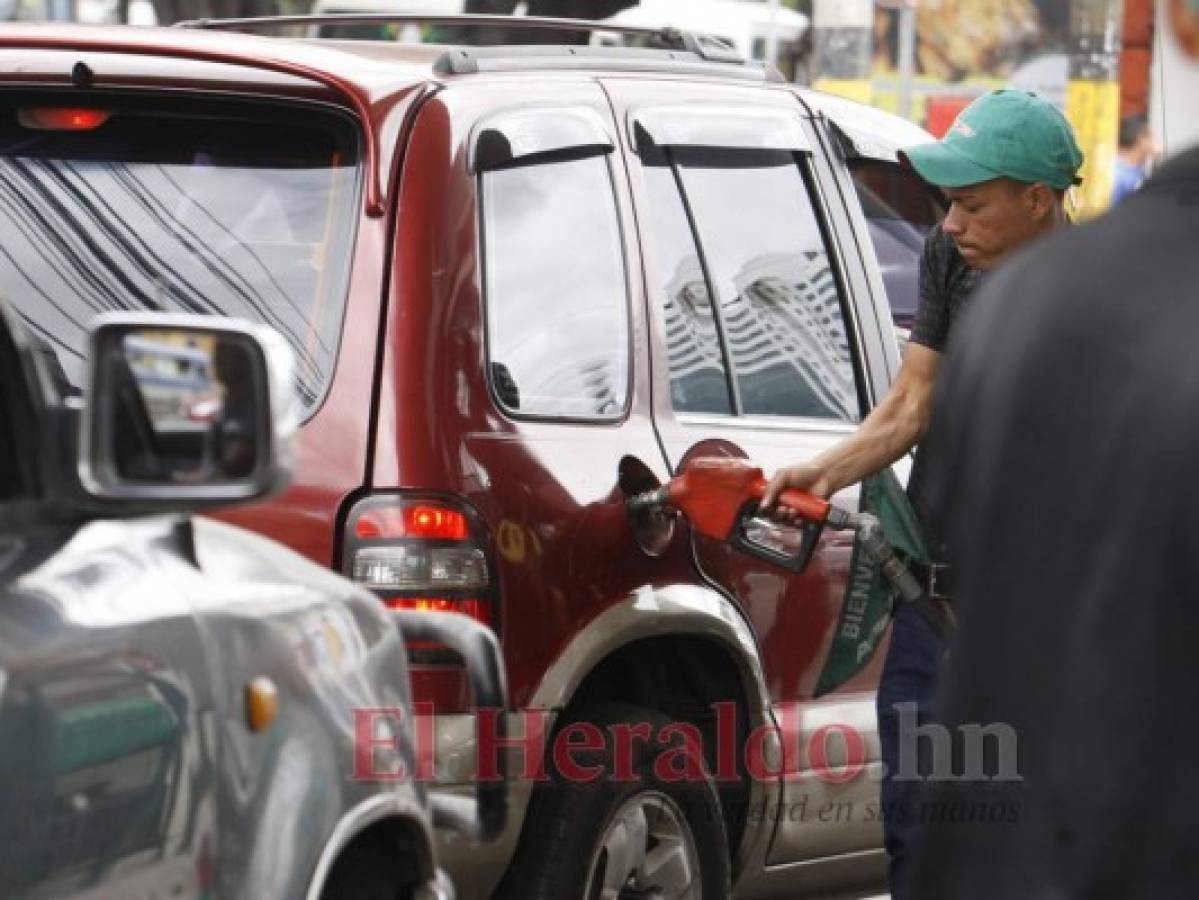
[(893, 428)]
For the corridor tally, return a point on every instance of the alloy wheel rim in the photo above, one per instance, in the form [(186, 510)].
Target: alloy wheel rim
[(647, 852)]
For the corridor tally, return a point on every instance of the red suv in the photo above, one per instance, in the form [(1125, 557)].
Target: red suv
[(522, 283)]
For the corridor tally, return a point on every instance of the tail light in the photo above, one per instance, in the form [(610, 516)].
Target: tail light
[(421, 553), (61, 118)]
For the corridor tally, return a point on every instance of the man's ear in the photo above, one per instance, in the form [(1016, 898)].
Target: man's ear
[(1184, 19), (1040, 201)]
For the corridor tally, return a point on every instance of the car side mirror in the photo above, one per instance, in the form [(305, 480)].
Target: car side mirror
[(193, 409)]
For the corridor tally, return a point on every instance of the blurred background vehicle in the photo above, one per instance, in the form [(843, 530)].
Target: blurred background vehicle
[(96, 12), (382, 30), (757, 30)]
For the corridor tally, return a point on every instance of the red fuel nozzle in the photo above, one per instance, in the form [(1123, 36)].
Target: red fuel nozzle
[(711, 493)]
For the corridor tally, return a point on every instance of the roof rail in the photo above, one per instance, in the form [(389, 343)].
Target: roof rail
[(707, 47), (472, 60)]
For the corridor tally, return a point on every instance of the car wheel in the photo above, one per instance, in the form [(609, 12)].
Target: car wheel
[(640, 838)]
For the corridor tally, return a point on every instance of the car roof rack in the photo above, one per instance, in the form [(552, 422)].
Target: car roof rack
[(461, 60), (705, 47)]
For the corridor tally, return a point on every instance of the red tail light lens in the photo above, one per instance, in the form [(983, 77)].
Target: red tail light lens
[(61, 118), (479, 610), (423, 520)]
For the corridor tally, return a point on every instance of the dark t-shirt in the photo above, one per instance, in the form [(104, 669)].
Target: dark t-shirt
[(946, 283), (1066, 466)]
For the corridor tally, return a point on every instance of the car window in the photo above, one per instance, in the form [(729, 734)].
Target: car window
[(780, 322), (900, 212), (698, 377), (243, 211), (557, 305)]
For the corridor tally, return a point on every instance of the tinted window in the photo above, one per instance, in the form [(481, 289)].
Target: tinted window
[(900, 211), (557, 312), (12, 423), (244, 212), (780, 303), (698, 380)]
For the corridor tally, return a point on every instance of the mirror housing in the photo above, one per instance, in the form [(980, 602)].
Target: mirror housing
[(180, 409)]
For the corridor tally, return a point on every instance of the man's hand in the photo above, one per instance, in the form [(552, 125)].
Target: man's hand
[(889, 432), (809, 477)]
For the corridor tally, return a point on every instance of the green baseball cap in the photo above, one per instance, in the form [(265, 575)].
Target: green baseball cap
[(1012, 134)]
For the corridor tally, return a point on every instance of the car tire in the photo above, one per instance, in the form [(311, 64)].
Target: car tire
[(578, 838)]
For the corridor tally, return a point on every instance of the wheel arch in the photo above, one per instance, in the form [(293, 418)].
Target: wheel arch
[(677, 650), (684, 612), (384, 820)]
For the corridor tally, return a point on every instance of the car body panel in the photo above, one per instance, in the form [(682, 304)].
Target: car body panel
[(330, 649), (117, 624), (107, 715)]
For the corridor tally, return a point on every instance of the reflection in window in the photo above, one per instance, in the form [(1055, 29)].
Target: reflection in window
[(900, 211), (780, 303), (557, 311), (698, 382), (181, 211)]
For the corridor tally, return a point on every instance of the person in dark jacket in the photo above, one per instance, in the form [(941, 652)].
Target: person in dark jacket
[(1066, 469)]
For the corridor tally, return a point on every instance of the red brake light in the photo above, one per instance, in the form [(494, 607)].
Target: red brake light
[(420, 521), (426, 553), (476, 609), (61, 118)]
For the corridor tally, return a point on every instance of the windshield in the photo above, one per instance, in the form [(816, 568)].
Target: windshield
[(240, 210)]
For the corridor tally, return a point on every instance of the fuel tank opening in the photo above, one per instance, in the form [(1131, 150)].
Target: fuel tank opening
[(652, 523)]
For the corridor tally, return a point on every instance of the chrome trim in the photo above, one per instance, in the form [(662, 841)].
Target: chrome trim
[(368, 812), (853, 823), (857, 711), (761, 423), (763, 842), (823, 877), (455, 741)]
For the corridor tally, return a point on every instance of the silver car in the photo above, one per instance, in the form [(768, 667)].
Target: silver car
[(188, 709)]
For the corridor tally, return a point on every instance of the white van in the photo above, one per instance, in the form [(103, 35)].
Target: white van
[(381, 30), (745, 24)]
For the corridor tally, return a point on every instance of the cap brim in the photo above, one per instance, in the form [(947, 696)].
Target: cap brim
[(943, 166)]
